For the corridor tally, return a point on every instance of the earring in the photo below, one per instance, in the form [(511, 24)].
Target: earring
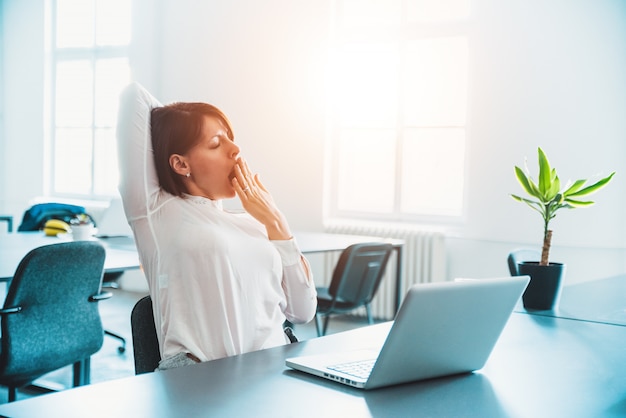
[(188, 175)]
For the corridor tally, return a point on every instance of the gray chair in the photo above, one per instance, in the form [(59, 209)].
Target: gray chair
[(354, 284), (517, 256), (145, 340), (50, 319)]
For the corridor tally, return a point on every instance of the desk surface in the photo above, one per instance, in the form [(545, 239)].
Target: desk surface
[(120, 252), (601, 301), (540, 367)]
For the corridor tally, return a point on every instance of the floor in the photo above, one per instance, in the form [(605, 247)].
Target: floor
[(109, 363)]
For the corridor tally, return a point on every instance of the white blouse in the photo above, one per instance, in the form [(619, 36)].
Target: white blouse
[(219, 286)]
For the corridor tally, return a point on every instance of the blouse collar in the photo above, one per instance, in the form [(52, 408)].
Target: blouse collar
[(199, 200)]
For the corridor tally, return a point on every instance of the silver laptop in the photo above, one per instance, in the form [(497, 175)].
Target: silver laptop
[(441, 329), (113, 228)]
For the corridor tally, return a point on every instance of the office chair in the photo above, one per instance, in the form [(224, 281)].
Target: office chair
[(50, 319), (35, 218), (145, 340), (517, 256), (354, 283), (9, 220)]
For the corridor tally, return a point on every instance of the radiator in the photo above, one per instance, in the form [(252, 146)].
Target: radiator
[(424, 260)]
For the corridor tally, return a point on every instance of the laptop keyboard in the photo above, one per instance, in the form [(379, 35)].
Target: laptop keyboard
[(360, 369)]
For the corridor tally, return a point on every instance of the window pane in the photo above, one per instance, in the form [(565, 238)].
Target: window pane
[(113, 24), (72, 161), (435, 92), (437, 10), (112, 75), (366, 170), (432, 171), (106, 174), (74, 23), (74, 95), (367, 85)]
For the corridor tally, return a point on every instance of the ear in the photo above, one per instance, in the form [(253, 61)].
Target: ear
[(179, 164)]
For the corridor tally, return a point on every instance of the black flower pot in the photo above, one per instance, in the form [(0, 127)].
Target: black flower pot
[(544, 289)]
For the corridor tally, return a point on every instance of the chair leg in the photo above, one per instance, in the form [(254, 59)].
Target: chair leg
[(326, 320), (82, 372), (12, 395), (370, 318), (122, 347), (318, 325)]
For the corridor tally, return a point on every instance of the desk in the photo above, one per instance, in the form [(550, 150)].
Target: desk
[(321, 242), (540, 367), (601, 301), (120, 253)]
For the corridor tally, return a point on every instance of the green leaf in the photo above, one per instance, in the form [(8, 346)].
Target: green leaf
[(594, 187), (554, 188), (532, 203), (578, 203), (574, 187), (544, 173), (526, 183)]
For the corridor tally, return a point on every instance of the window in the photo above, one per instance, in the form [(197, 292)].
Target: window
[(89, 67), (399, 106)]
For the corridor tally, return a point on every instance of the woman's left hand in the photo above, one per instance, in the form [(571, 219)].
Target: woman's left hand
[(258, 202)]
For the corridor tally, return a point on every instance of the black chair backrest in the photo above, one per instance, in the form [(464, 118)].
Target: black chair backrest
[(518, 256), (55, 322), (145, 340), (359, 271)]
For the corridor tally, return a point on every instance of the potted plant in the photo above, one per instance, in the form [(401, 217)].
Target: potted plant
[(547, 197)]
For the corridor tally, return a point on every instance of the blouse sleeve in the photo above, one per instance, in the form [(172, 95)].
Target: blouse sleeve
[(138, 179), (298, 285)]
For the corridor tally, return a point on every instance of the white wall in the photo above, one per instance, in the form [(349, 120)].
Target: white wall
[(550, 74), (21, 160), (547, 73)]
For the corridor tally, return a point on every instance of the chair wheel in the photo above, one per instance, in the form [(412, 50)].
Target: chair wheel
[(121, 349)]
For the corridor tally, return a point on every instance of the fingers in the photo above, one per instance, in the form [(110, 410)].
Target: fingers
[(241, 191), (245, 177), (257, 180)]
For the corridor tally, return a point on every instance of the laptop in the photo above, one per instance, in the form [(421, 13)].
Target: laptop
[(113, 228), (441, 329)]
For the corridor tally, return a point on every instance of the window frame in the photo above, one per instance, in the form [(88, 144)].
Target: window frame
[(401, 34), (55, 56)]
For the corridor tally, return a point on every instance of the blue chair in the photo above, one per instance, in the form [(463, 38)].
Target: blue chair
[(35, 218), (517, 256), (50, 317)]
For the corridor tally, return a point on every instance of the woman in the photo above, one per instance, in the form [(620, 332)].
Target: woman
[(222, 283)]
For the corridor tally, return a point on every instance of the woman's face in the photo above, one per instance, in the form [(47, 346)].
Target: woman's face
[(211, 162)]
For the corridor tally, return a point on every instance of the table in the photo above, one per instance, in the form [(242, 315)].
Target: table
[(321, 242), (540, 367), (121, 253), (601, 301)]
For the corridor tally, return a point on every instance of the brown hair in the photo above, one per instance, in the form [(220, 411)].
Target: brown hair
[(175, 129)]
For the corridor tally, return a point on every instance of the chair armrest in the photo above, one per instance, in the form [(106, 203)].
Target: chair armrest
[(15, 309), (100, 296)]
